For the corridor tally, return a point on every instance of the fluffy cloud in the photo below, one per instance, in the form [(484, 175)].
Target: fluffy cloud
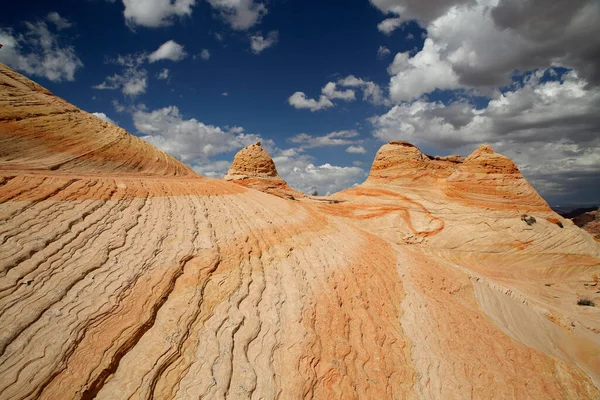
[(163, 75), (383, 51), (371, 91), (258, 43), (212, 169), (189, 140), (156, 13), (338, 138), (482, 45), (423, 11), (550, 128), (104, 117), (300, 101), (389, 25), (204, 54), (239, 14), (196, 143), (423, 73), (38, 51), (302, 174), (132, 81), (60, 22), (169, 50), (356, 150), (330, 90)]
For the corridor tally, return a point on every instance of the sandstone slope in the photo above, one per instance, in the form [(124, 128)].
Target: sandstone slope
[(123, 275)]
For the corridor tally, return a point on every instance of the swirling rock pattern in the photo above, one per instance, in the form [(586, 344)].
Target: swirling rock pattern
[(124, 275)]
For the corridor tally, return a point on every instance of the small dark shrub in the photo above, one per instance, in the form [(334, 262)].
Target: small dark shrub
[(529, 220), (559, 224), (315, 193), (585, 302)]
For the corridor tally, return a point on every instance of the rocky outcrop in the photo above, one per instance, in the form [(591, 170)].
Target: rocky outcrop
[(125, 275), (589, 222), (252, 167), (403, 163), (491, 180)]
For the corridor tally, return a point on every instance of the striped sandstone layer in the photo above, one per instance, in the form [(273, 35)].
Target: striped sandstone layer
[(124, 275)]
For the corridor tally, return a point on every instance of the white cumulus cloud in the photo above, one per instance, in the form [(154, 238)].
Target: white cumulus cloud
[(423, 73), (189, 140), (300, 101), (163, 75), (383, 52), (38, 51), (337, 138), (356, 150), (330, 90), (389, 25), (259, 43), (482, 44), (239, 14), (156, 13), (133, 80), (301, 173), (371, 91), (104, 117), (169, 50), (60, 22)]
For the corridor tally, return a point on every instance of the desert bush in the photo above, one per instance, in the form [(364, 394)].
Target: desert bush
[(585, 302), (529, 220), (559, 224)]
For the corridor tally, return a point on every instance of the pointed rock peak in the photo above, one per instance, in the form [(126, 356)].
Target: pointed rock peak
[(484, 159), (491, 180), (484, 148), (252, 162)]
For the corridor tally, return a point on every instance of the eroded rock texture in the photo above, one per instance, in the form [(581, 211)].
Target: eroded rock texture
[(123, 275), (590, 222), (252, 167)]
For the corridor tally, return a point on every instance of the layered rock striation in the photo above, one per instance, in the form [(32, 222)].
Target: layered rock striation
[(124, 275), (254, 168)]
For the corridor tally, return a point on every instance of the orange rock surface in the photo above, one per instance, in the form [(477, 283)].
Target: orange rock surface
[(252, 167), (124, 275)]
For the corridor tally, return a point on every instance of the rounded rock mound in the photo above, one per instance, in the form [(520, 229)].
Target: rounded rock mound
[(402, 162), (252, 162), (254, 168)]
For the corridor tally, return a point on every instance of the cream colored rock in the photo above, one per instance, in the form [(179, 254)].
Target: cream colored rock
[(254, 168), (124, 275)]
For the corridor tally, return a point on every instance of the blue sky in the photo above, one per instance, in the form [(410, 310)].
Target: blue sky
[(323, 84)]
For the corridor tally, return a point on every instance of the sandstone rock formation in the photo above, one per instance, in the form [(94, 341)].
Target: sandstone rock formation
[(253, 167), (589, 221), (125, 275)]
